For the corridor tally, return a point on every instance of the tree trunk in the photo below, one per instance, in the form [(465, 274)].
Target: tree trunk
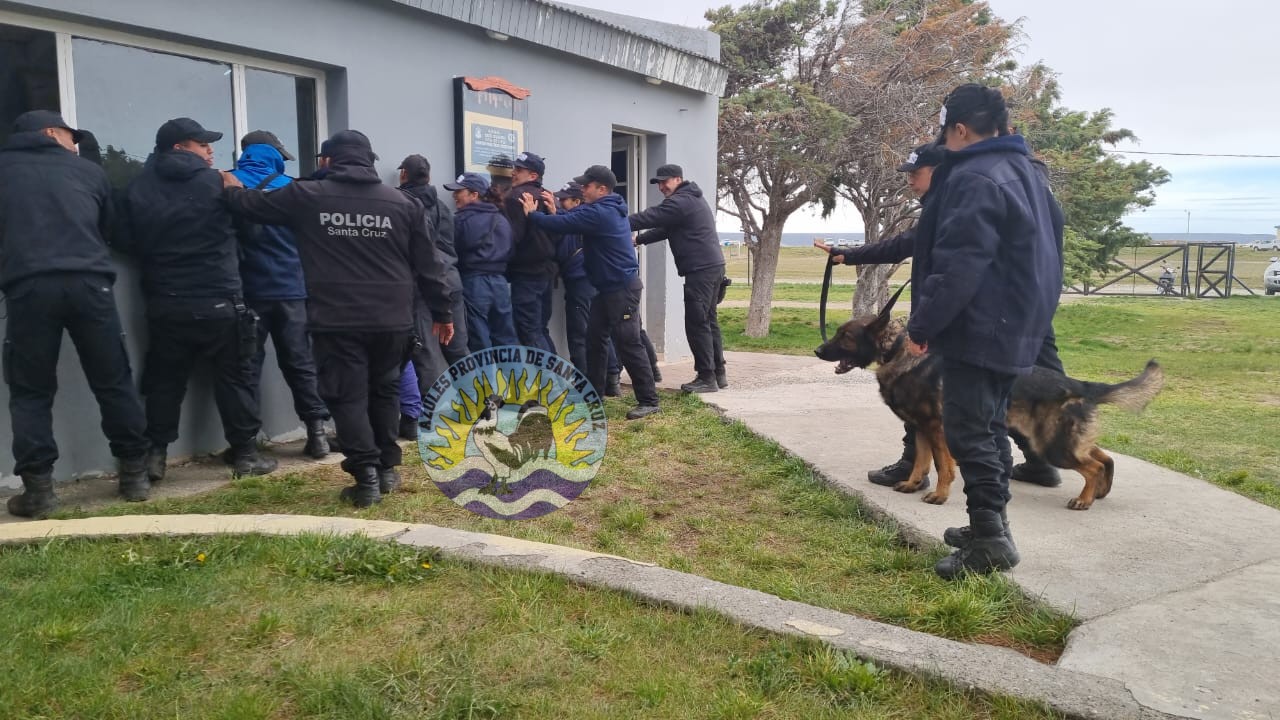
[(763, 270), (873, 289)]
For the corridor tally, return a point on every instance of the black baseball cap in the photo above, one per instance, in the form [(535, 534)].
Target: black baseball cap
[(666, 172), (182, 129), (929, 154), (265, 137), (416, 166), (968, 100), (531, 161), (347, 138), (37, 120), (469, 181), (598, 174), (570, 190)]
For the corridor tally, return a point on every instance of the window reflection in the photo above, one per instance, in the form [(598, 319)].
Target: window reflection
[(124, 94), (28, 74), (285, 105)]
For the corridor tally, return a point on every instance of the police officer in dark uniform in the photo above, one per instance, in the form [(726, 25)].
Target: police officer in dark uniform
[(433, 359), (990, 255), (365, 247), (685, 219), (173, 219), (56, 273), (533, 267)]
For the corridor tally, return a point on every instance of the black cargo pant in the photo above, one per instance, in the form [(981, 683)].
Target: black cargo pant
[(360, 382), (285, 322), (701, 326), (616, 315), (184, 332), (431, 359), (40, 308), (975, 405)]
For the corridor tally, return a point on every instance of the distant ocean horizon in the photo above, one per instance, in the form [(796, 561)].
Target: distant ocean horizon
[(839, 238)]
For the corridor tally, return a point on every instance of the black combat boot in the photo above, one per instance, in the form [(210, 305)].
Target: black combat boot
[(317, 440), (704, 383), (613, 386), (1037, 472), (36, 500), (722, 379), (960, 537), (245, 462), (388, 480), (990, 548), (366, 491), (408, 427), (134, 484), (641, 411), (156, 460)]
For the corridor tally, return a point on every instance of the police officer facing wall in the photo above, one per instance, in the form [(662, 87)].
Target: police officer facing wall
[(611, 264), (56, 272), (685, 219), (273, 287), (533, 267), (173, 219), (364, 248)]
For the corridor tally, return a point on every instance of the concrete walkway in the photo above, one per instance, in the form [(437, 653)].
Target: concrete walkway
[(1176, 580), (988, 669)]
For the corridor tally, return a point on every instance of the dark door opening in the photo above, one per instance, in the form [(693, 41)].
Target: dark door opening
[(28, 74)]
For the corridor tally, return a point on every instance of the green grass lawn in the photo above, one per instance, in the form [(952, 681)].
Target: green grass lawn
[(799, 292), (256, 628), (1218, 417), (691, 492)]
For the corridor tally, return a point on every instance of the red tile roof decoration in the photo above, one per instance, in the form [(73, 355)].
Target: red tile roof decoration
[(497, 83)]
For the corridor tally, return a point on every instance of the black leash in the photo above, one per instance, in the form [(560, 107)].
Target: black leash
[(822, 304)]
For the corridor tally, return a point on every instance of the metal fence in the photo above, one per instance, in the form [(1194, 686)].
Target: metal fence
[(1201, 270)]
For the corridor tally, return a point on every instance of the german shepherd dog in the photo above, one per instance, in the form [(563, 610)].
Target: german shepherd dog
[(1057, 414)]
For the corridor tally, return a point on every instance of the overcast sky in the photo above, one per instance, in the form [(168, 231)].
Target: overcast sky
[(1199, 79)]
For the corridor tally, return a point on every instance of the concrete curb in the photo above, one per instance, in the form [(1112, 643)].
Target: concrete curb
[(983, 668)]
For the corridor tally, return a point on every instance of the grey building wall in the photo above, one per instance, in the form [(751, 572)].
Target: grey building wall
[(390, 70)]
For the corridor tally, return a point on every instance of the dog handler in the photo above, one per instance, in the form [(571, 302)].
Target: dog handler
[(990, 255), (919, 169)]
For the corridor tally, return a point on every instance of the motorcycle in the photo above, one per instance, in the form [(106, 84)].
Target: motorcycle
[(1165, 285)]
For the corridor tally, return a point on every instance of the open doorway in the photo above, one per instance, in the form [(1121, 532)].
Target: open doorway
[(28, 74), (629, 163)]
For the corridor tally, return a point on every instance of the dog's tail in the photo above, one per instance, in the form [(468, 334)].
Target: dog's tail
[(1132, 395)]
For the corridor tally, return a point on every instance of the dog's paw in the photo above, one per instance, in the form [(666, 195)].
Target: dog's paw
[(906, 486), (934, 498), (1078, 504)]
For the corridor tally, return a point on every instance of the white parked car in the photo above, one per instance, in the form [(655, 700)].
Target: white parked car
[(1271, 277), (1272, 245)]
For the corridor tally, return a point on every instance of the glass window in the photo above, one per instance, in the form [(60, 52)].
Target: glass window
[(124, 94), (285, 105), (28, 74)]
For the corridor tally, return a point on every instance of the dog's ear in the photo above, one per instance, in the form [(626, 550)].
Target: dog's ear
[(883, 318)]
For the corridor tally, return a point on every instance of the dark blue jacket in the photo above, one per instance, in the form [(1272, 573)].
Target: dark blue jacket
[(269, 263), (685, 219), (990, 258), (606, 240), (482, 238), (570, 258)]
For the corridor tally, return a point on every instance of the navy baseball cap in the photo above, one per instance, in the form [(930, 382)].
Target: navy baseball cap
[(182, 129), (469, 181), (666, 172), (570, 190), (927, 155), (531, 161), (966, 101), (417, 167), (37, 120)]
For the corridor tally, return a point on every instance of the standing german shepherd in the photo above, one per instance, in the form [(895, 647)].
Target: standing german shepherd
[(1057, 414)]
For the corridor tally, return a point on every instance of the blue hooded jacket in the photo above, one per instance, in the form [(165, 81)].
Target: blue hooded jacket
[(269, 263), (988, 258), (606, 240)]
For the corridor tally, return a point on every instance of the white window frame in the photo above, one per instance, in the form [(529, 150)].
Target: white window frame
[(65, 31)]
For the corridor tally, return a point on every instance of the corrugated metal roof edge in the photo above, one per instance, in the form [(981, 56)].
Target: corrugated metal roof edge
[(625, 49), (565, 7)]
